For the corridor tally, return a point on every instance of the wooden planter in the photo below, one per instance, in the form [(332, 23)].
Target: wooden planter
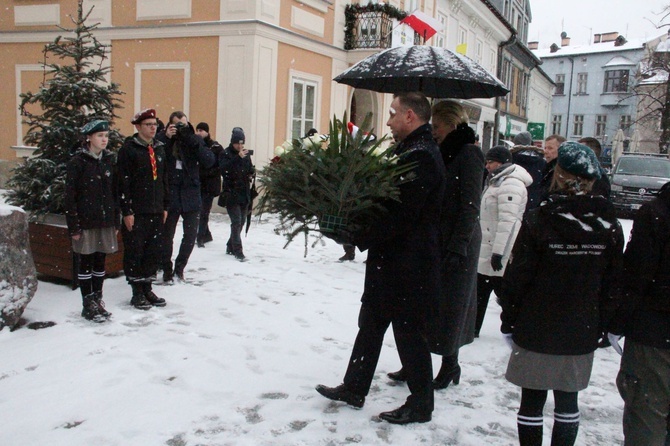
[(52, 250)]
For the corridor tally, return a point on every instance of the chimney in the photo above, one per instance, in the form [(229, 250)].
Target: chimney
[(610, 37), (533, 45), (596, 38), (621, 40), (565, 40), (553, 48)]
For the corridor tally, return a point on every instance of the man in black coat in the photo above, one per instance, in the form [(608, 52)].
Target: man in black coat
[(210, 184), (551, 145), (185, 152), (402, 277), (144, 200), (644, 318)]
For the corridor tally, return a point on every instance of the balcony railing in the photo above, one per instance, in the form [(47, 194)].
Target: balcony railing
[(371, 30)]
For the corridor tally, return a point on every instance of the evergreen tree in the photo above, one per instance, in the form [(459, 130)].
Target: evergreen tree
[(73, 92)]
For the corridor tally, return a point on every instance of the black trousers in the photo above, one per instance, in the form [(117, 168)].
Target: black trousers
[(190, 225), (142, 247), (237, 212), (413, 350), (203, 228), (485, 284)]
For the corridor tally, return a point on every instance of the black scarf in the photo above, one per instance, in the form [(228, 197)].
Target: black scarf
[(454, 142)]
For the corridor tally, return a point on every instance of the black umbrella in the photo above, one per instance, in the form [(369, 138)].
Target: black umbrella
[(437, 72)]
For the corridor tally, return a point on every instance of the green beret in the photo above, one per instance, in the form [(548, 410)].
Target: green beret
[(579, 160), (95, 126)]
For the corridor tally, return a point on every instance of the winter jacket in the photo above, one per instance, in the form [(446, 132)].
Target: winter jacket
[(560, 275), (210, 178), (531, 158), (91, 192), (402, 275), (453, 324), (644, 287), (237, 173), (139, 192), (184, 154), (503, 204)]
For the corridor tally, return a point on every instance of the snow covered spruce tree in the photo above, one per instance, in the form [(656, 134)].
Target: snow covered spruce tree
[(73, 92)]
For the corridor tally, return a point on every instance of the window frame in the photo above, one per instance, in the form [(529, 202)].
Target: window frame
[(307, 79), (578, 125), (582, 83), (559, 91), (556, 124), (601, 125), (614, 79)]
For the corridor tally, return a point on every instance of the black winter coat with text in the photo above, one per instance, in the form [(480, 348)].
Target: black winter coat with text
[(139, 192), (557, 285), (237, 173), (184, 154), (91, 192), (402, 274), (452, 324), (644, 285)]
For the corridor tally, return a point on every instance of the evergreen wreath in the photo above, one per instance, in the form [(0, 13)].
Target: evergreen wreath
[(313, 188)]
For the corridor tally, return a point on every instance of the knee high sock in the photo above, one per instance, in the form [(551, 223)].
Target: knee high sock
[(98, 271), (566, 419), (84, 274), (529, 419)]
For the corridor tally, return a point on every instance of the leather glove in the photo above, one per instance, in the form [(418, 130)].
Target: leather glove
[(452, 261), (496, 262), (507, 337), (614, 341)]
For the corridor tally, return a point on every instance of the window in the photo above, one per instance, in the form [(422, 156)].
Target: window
[(479, 48), (625, 122), (616, 81), (556, 124), (442, 35), (560, 84), (582, 79), (493, 61), (303, 109), (462, 35), (601, 125), (578, 125)]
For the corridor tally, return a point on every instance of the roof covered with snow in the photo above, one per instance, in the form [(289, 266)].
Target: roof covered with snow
[(618, 61), (576, 50)]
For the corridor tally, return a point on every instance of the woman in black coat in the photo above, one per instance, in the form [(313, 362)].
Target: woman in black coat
[(452, 321), (555, 292), (92, 214)]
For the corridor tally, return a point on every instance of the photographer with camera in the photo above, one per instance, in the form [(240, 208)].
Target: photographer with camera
[(237, 171), (185, 152)]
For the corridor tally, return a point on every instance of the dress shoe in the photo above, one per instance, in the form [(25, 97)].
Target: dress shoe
[(406, 414), (400, 375), (447, 376), (341, 393)]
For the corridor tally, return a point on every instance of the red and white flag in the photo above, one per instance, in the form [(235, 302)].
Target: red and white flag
[(424, 24)]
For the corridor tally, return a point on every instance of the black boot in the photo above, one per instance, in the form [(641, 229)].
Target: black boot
[(151, 297), (138, 300), (406, 414), (449, 372), (400, 375), (90, 310), (342, 393), (101, 305)]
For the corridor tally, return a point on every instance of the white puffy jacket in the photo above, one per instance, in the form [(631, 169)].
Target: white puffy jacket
[(503, 204)]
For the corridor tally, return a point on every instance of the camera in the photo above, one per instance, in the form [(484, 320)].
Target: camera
[(250, 152)]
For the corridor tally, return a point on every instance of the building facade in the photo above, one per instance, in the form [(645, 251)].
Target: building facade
[(593, 93)]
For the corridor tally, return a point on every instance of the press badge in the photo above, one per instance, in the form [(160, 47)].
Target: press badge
[(179, 165)]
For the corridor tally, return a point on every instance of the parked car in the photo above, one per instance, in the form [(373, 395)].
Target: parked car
[(636, 179)]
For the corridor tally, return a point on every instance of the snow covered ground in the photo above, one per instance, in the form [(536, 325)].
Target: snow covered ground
[(234, 357)]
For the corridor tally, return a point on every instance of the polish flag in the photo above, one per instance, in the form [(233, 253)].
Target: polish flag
[(424, 24)]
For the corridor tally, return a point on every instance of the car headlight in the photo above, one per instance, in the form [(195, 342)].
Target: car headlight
[(617, 188)]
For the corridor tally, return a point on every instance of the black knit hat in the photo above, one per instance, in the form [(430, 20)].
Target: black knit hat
[(237, 136), (500, 154), (202, 126)]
